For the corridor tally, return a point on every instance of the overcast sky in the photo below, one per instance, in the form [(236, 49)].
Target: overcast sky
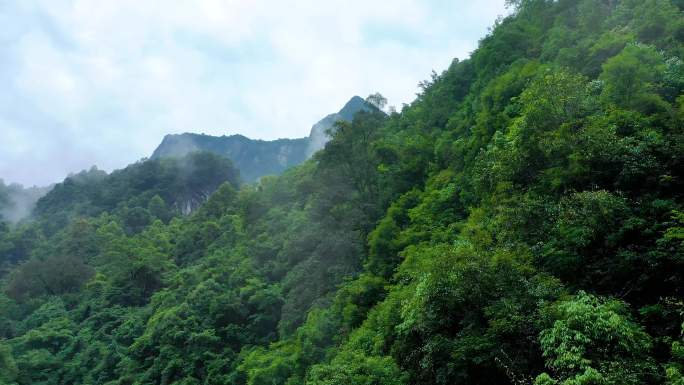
[(101, 82)]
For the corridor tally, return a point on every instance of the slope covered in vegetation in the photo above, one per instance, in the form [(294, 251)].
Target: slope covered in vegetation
[(520, 222)]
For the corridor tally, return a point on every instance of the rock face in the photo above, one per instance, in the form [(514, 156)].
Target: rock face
[(254, 158), (319, 132), (257, 158)]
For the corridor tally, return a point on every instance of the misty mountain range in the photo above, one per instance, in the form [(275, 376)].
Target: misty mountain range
[(256, 158), (252, 157)]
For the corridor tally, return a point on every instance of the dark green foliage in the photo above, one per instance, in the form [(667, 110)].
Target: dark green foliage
[(183, 184), (52, 276), (519, 223)]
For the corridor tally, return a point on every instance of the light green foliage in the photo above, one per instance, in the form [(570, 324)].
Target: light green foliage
[(356, 368), (675, 369), (676, 232), (453, 242), (580, 325)]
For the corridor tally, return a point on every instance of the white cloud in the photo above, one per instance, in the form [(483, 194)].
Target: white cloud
[(92, 82)]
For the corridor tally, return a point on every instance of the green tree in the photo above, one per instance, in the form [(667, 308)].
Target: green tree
[(631, 78), (158, 209), (8, 367), (52, 276), (357, 368), (594, 341)]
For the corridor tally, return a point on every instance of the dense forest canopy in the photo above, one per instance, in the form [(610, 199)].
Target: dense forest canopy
[(521, 222)]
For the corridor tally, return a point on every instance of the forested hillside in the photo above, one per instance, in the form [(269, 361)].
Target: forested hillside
[(521, 222)]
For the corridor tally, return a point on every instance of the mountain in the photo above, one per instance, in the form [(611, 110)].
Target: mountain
[(520, 222), (256, 158), (318, 136)]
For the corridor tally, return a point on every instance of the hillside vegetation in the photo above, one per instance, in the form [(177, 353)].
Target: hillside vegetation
[(521, 222)]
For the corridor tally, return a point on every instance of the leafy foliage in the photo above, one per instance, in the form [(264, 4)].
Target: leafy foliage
[(520, 222)]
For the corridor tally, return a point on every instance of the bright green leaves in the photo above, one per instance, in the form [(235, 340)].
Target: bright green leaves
[(675, 369), (594, 341), (42, 350), (676, 232), (269, 367), (356, 368), (539, 143)]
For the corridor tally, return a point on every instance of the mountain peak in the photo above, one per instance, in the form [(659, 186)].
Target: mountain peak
[(354, 105), (319, 132), (256, 158)]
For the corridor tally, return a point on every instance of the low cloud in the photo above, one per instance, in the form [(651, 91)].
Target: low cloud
[(88, 82), (17, 202)]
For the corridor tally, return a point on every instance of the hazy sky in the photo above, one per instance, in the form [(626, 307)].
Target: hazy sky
[(101, 82)]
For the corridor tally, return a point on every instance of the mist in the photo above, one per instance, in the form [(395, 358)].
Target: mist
[(17, 202)]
